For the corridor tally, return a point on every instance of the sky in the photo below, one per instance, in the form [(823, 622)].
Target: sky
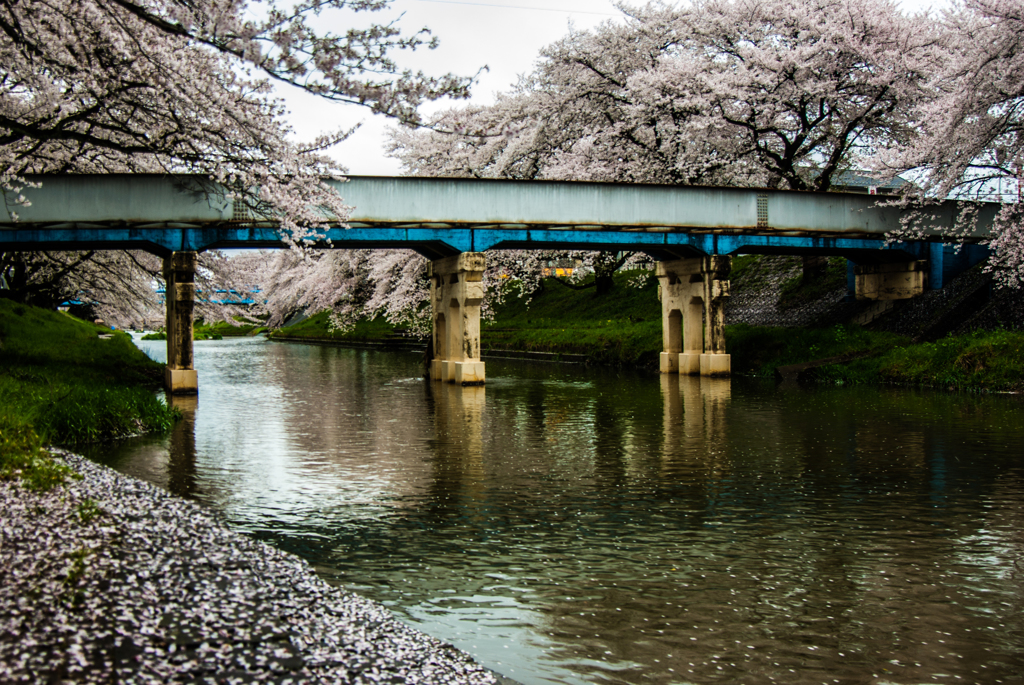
[(505, 36)]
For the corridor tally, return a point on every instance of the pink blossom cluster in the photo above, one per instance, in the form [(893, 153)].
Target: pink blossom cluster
[(123, 86), (765, 93)]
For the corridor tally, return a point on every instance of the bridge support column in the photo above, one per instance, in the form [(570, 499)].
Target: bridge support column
[(693, 293), (179, 276), (456, 292), (714, 361), (681, 290), (890, 281)]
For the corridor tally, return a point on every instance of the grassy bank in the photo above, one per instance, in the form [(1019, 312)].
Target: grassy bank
[(61, 383), (988, 361), (621, 327), (759, 350), (214, 331), (318, 327)]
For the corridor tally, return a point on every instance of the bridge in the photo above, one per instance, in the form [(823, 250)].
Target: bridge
[(691, 232)]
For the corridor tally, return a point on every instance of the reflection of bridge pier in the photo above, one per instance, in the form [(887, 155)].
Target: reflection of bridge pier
[(458, 419), (694, 410), (181, 464)]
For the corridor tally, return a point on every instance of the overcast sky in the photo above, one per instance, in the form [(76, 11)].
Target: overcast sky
[(503, 35)]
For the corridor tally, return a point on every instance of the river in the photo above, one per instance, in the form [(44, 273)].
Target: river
[(567, 524)]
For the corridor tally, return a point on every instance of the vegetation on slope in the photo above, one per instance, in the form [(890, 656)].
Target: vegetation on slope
[(621, 327), (800, 290), (759, 350), (980, 361), (318, 327), (213, 331), (22, 456), (61, 383)]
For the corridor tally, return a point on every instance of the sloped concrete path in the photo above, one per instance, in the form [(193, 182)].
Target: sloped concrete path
[(110, 579)]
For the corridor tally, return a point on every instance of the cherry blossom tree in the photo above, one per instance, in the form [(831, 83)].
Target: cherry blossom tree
[(970, 142), (118, 286), (185, 87), (776, 93), (351, 284), (739, 92)]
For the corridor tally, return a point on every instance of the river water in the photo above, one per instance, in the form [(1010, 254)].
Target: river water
[(567, 524)]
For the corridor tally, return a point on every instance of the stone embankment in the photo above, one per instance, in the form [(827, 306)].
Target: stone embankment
[(970, 302), (755, 296), (110, 579)]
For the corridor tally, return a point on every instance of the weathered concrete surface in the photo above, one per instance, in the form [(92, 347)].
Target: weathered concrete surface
[(456, 292), (110, 579), (180, 296), (681, 289), (895, 281), (693, 294)]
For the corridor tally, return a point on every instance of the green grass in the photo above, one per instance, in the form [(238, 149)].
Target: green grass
[(982, 361), (741, 266), (318, 326), (621, 327), (65, 385), (758, 350), (214, 331), (22, 456)]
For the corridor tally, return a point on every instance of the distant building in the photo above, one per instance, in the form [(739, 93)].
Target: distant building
[(853, 182)]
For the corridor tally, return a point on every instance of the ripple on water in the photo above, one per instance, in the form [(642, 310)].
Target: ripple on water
[(573, 525)]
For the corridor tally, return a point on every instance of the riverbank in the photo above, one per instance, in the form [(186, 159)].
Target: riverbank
[(558, 322), (71, 382), (964, 337), (106, 578), (214, 331)]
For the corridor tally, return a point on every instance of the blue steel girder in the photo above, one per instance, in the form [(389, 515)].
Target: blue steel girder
[(431, 243), (665, 245), (440, 217), (435, 243)]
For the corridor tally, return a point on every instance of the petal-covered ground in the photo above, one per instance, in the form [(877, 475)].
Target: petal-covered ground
[(109, 579)]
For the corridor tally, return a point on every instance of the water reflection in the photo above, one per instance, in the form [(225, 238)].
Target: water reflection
[(573, 526), (181, 465), (694, 414)]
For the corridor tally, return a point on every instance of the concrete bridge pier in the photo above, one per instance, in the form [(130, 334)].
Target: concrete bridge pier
[(891, 281), (179, 276), (693, 293), (456, 292)]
